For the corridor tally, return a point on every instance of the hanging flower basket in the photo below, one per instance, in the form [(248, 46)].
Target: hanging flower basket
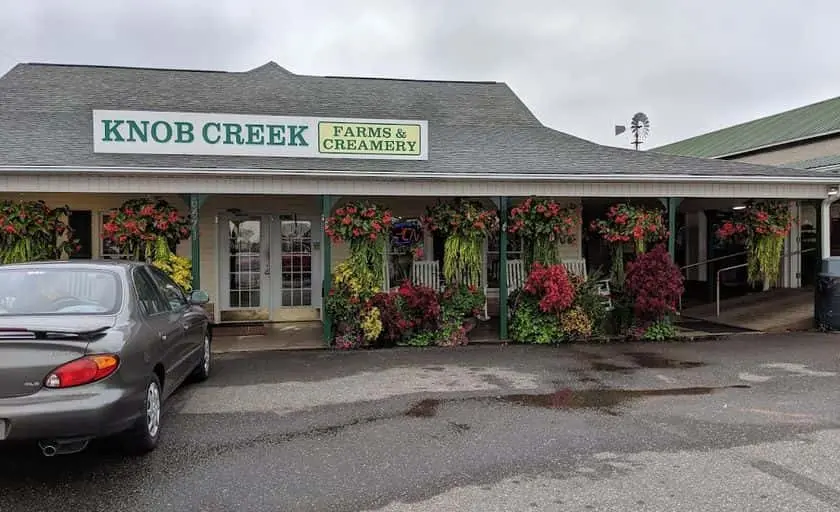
[(32, 231), (461, 218), (359, 221), (364, 226), (630, 224), (542, 224), (465, 224), (762, 226), (136, 226)]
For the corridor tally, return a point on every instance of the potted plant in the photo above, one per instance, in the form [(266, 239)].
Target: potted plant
[(465, 224), (32, 231), (544, 223), (762, 226), (365, 226)]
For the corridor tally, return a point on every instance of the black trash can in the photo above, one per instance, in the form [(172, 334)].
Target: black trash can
[(827, 296)]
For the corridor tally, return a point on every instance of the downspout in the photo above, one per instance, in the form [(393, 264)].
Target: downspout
[(825, 221)]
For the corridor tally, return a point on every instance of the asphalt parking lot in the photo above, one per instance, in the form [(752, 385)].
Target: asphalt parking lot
[(747, 423)]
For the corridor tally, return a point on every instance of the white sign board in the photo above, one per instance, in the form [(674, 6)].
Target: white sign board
[(189, 133)]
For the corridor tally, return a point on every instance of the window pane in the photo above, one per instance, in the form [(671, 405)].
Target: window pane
[(296, 263), (151, 300), (54, 291), (245, 257)]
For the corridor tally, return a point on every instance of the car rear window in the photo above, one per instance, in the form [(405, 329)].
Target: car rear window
[(59, 291)]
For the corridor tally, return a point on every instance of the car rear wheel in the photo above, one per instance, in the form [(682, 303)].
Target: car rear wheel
[(202, 371), (144, 435)]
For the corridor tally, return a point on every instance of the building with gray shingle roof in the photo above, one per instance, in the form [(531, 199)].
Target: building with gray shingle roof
[(255, 147)]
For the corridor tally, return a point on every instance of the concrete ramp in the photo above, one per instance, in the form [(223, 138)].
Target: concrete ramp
[(779, 310)]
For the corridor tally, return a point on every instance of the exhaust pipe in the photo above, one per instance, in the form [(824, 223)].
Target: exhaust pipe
[(49, 449), (62, 447)]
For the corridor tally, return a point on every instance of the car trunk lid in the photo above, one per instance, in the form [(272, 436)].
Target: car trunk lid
[(31, 347)]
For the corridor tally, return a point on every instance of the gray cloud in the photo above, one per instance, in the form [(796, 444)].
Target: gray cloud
[(580, 66)]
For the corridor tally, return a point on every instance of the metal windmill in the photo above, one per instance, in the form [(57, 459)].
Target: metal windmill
[(639, 127)]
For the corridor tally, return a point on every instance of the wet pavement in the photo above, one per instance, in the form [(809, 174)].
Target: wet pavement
[(748, 423)]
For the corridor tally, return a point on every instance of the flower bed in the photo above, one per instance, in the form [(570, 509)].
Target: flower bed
[(542, 224), (553, 307), (32, 231), (409, 316), (762, 226)]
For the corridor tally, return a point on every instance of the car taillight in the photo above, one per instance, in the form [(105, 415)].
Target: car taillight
[(82, 371)]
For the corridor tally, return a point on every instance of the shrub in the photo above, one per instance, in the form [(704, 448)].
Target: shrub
[(530, 324), (553, 287), (575, 324), (421, 305), (589, 300), (655, 284), (394, 323), (659, 331), (460, 301)]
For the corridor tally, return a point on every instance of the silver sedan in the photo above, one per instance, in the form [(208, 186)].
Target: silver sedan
[(92, 349)]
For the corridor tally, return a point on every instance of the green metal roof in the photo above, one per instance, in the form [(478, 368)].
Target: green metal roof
[(799, 123)]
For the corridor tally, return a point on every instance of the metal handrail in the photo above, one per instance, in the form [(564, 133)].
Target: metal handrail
[(706, 262), (733, 267), (711, 260)]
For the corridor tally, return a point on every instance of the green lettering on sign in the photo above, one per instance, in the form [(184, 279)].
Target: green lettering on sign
[(161, 131), (205, 133), (368, 138), (112, 133), (296, 135), (184, 132), (276, 135), (255, 134), (135, 132), (233, 134)]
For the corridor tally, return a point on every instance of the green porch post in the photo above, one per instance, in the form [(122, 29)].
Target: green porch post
[(194, 202), (326, 255), (503, 258), (672, 204)]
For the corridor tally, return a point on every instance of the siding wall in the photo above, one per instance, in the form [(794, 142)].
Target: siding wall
[(805, 151)]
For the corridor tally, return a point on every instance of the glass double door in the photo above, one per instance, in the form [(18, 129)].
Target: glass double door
[(273, 264)]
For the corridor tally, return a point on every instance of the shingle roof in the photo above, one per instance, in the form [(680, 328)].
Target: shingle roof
[(474, 127), (800, 123), (816, 163)]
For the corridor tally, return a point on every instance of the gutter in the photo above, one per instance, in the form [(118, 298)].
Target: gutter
[(415, 175)]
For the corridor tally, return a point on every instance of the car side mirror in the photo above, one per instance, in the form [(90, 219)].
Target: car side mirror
[(199, 297)]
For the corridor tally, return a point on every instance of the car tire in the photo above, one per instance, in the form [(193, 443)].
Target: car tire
[(202, 371), (143, 437)]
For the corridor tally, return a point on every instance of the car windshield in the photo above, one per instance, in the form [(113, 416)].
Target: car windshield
[(58, 291)]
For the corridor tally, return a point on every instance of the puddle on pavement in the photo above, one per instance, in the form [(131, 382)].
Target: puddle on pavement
[(423, 409), (601, 366), (603, 400), (656, 361)]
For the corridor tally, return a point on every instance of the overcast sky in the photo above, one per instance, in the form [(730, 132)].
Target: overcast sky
[(582, 66)]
